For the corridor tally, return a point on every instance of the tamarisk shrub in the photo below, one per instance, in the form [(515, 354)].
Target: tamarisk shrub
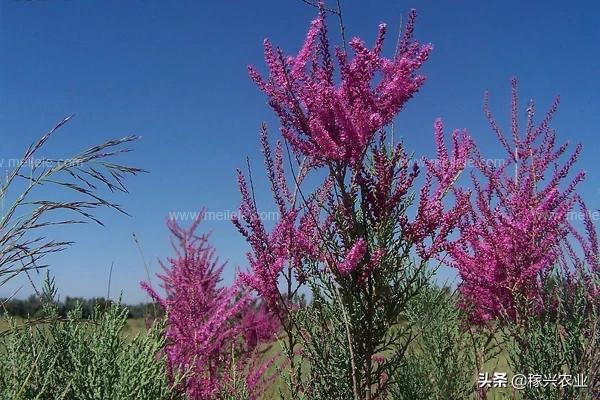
[(524, 266), (518, 228), (215, 333), (349, 239)]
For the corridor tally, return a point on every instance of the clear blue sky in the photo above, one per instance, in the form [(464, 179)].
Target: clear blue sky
[(174, 72)]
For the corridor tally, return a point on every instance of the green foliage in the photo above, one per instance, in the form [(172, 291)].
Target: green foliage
[(236, 388), (441, 362), (562, 339), (440, 358), (324, 351), (74, 359)]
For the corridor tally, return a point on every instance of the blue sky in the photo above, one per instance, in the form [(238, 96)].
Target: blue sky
[(175, 73)]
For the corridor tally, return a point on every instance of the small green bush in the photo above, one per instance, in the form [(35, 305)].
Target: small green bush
[(441, 362), (72, 358)]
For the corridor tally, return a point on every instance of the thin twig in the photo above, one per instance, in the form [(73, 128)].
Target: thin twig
[(337, 12), (147, 268), (112, 264)]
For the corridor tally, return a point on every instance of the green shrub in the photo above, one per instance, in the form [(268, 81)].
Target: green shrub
[(563, 338), (441, 362), (72, 358)]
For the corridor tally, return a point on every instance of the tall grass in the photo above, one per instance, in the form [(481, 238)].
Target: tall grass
[(82, 178)]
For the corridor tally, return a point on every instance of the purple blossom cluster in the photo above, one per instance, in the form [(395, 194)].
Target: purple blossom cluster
[(291, 241), (212, 329), (329, 120), (434, 222), (517, 228)]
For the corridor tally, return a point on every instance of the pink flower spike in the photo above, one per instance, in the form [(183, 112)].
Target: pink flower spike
[(353, 258), (336, 122)]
